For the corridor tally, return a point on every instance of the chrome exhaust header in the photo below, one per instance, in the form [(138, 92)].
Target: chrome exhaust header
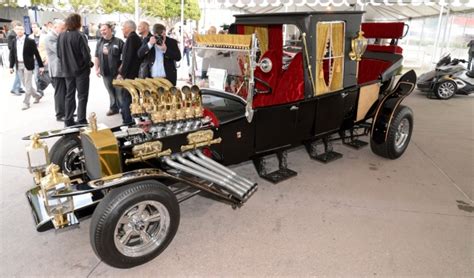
[(234, 178), (224, 169), (201, 175), (233, 184)]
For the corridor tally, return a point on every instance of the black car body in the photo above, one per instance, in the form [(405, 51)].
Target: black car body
[(321, 87)]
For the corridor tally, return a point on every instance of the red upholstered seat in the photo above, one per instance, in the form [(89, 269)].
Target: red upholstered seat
[(273, 76), (290, 87), (383, 30), (371, 69), (385, 48)]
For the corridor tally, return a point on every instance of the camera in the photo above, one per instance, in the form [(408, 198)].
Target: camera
[(159, 39)]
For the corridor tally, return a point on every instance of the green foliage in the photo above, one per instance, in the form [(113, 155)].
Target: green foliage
[(192, 10), (112, 6), (81, 6), (9, 3), (169, 10), (41, 2)]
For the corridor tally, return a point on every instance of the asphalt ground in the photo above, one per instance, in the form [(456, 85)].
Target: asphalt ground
[(361, 215)]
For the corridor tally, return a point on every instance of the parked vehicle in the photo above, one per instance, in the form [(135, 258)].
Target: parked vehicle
[(450, 77), (132, 178)]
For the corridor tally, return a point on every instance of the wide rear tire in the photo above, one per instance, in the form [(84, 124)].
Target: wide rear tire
[(399, 135), (134, 223)]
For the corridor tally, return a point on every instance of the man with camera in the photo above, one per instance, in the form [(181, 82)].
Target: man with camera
[(160, 54)]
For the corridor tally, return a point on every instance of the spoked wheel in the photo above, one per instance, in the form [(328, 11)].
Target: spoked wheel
[(445, 89), (402, 134), (67, 154), (399, 135), (134, 223)]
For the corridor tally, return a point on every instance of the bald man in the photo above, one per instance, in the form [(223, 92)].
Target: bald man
[(143, 30)]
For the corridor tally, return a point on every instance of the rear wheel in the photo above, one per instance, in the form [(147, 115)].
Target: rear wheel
[(399, 135), (134, 223), (67, 154), (445, 89)]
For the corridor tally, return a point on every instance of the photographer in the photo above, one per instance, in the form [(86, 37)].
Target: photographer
[(159, 54)]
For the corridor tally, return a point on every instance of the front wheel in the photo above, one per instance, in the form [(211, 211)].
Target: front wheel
[(445, 89), (134, 223), (399, 135), (67, 154)]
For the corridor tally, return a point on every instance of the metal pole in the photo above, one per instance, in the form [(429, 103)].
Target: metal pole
[(438, 30), (137, 11), (445, 30), (182, 26)]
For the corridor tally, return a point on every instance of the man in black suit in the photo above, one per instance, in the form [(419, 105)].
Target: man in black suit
[(22, 56), (130, 65), (75, 57), (162, 53)]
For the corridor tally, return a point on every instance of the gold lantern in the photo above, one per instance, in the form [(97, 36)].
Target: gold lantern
[(59, 208), (359, 45), (38, 158)]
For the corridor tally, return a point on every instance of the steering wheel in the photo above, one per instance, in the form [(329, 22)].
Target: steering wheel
[(267, 86)]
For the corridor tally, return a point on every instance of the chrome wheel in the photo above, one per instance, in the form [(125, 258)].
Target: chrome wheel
[(142, 228), (73, 160), (402, 133), (446, 89)]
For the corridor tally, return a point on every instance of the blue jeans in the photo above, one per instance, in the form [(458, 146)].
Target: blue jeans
[(16, 83)]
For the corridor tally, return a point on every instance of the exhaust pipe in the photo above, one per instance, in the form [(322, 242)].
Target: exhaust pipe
[(222, 170), (199, 174), (231, 183)]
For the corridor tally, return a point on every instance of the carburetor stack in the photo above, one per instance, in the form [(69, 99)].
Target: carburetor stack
[(160, 109)]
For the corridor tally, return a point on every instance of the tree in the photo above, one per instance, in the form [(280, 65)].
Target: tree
[(112, 6), (9, 3), (192, 10), (41, 2), (81, 6)]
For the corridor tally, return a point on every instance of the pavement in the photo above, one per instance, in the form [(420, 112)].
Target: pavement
[(361, 215)]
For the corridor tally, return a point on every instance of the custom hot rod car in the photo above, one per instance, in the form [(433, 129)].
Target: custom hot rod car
[(286, 80)]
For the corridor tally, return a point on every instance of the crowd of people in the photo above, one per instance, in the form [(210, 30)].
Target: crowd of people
[(64, 56)]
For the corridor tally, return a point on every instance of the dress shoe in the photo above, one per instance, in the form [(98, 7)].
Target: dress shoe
[(25, 106), (15, 93), (37, 99), (22, 91), (111, 112), (83, 122), (60, 119)]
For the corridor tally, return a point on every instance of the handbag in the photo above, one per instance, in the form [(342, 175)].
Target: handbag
[(145, 70), (44, 80)]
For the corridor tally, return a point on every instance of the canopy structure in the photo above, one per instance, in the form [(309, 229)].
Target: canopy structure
[(376, 10)]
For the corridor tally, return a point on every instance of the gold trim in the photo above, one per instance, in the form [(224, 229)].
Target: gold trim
[(308, 63), (149, 156), (224, 41), (199, 139)]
